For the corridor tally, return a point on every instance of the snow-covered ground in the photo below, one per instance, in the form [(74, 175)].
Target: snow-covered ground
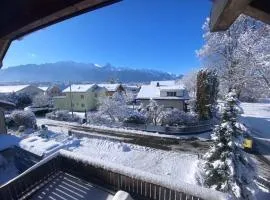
[(164, 163), (257, 116), (43, 146), (62, 126)]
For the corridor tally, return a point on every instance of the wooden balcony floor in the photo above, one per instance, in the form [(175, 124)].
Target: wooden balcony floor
[(67, 187)]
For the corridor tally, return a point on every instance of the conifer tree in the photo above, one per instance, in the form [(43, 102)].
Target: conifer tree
[(226, 167)]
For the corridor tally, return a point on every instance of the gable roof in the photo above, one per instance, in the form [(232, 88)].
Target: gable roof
[(110, 87), (79, 88), (6, 104), (163, 83), (153, 92), (44, 88), (12, 88)]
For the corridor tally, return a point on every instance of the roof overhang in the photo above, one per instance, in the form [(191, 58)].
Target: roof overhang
[(6, 105), (225, 12), (19, 18)]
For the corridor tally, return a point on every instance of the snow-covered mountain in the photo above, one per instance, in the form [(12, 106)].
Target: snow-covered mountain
[(73, 71)]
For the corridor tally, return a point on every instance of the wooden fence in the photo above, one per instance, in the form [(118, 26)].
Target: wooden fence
[(25, 185), (29, 183)]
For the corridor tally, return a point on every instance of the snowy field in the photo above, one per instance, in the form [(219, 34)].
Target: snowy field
[(257, 116), (164, 163)]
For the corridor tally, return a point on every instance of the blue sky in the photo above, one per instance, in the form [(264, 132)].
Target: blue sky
[(154, 34)]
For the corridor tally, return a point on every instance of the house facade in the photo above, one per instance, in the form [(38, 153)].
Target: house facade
[(112, 88), (51, 91), (79, 97), (166, 93)]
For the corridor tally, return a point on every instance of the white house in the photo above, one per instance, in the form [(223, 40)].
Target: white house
[(27, 89), (170, 94)]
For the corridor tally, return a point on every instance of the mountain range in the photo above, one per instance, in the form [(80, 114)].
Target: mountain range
[(79, 72)]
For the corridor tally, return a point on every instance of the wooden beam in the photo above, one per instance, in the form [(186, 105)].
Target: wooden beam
[(4, 45), (20, 19), (225, 12), (257, 14)]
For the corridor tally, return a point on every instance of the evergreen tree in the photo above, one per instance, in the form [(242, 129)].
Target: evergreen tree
[(226, 167), (206, 96)]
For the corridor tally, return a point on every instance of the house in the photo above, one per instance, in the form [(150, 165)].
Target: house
[(51, 91), (166, 83), (19, 89), (79, 97), (170, 94), (112, 88), (132, 88)]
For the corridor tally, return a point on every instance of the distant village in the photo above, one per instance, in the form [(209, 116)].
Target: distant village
[(83, 97), (86, 98)]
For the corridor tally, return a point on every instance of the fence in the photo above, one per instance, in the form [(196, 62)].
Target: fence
[(203, 126)]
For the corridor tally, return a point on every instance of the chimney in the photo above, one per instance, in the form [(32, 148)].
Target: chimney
[(157, 84)]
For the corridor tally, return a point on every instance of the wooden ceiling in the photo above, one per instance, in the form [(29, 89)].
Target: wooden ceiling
[(225, 12), (21, 17)]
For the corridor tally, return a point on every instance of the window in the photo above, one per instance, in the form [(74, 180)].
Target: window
[(171, 94), (82, 105), (82, 96)]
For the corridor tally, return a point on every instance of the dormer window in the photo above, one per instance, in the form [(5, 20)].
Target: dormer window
[(171, 94)]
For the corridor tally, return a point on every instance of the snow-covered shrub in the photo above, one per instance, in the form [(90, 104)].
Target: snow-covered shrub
[(226, 167), (152, 111), (98, 118), (24, 118), (135, 117), (21, 100), (63, 115), (41, 100), (115, 107), (175, 116)]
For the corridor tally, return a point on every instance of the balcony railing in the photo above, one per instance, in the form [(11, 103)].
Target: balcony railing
[(140, 185)]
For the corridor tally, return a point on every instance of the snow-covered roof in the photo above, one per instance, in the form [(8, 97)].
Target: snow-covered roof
[(164, 83), (172, 87), (153, 92), (110, 87), (79, 88), (11, 88), (44, 88)]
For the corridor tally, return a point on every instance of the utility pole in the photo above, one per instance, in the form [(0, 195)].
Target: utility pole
[(71, 103)]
